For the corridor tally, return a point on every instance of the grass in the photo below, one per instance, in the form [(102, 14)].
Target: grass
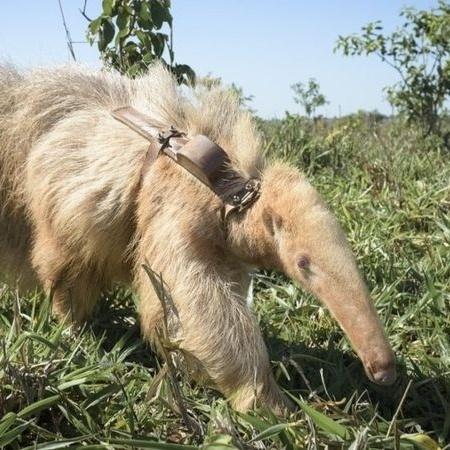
[(102, 387)]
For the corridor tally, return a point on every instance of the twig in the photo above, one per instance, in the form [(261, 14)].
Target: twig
[(68, 37), (397, 412), (83, 12), (298, 368), (167, 348), (171, 54), (191, 424)]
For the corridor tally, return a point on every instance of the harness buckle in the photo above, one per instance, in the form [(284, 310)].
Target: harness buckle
[(247, 195), (165, 137)]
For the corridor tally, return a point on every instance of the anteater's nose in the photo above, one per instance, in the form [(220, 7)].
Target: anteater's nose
[(381, 369), (385, 377)]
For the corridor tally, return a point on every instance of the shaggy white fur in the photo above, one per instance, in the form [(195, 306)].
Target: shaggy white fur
[(75, 214)]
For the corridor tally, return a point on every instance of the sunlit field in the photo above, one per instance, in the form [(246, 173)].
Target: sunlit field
[(103, 387)]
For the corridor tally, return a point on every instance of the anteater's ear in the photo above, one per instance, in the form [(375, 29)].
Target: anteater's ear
[(272, 220)]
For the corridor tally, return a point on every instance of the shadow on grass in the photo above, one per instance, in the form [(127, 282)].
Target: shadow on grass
[(329, 372), (116, 319), (335, 375)]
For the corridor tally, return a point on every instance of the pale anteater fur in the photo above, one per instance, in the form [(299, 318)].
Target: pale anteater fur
[(76, 215)]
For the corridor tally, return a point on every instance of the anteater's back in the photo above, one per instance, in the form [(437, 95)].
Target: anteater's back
[(56, 118), (34, 102)]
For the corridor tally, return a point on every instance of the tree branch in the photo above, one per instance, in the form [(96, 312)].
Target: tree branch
[(68, 37)]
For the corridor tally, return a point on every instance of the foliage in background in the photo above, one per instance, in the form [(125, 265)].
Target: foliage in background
[(129, 36), (209, 82), (420, 53), (309, 96), (102, 386)]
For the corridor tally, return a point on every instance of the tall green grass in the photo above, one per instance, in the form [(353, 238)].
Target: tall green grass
[(102, 387)]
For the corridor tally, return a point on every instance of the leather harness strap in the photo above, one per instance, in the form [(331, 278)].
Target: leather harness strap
[(200, 156)]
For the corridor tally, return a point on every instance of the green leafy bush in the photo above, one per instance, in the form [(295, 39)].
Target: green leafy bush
[(309, 96), (129, 36), (419, 51)]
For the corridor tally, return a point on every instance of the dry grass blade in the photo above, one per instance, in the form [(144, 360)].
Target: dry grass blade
[(168, 349)]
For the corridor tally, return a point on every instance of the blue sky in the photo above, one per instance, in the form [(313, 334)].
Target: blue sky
[(264, 46)]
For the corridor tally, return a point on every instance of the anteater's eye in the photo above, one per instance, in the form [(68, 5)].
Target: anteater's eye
[(303, 263)]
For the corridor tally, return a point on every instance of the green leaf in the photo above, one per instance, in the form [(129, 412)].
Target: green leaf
[(145, 19), (254, 421), (147, 58), (144, 443), (76, 382), (123, 22), (38, 406), (94, 26), (107, 32), (421, 441), (42, 340), (100, 396), (6, 422), (160, 14), (324, 422), (159, 42), (11, 435), (184, 73), (107, 7), (144, 38), (273, 430), (62, 443)]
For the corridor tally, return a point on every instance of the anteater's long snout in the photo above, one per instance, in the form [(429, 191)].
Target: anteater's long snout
[(356, 314), (365, 331)]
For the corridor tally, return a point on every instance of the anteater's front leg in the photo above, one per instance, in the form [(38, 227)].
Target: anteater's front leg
[(229, 345), (75, 288), (218, 331)]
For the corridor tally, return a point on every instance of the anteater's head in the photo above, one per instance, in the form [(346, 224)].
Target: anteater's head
[(291, 229)]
